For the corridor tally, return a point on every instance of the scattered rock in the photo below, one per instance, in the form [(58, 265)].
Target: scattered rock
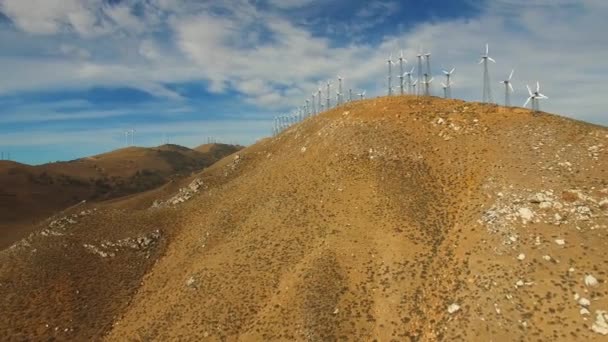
[(525, 213), (560, 242), (591, 281), (584, 302), (521, 256), (191, 282), (452, 308), (600, 325)]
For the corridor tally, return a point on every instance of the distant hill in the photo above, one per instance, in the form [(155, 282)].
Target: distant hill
[(29, 193)]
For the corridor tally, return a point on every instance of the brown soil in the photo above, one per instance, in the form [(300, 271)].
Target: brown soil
[(363, 223)]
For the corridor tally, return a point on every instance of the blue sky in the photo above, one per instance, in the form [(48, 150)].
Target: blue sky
[(75, 74)]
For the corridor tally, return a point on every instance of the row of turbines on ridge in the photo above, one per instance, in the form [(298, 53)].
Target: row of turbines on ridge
[(420, 86)]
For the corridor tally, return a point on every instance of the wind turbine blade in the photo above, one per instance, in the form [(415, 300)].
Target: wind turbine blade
[(445, 72), (541, 96), (480, 61), (487, 49), (528, 100), (431, 80), (537, 86), (443, 85), (412, 70), (491, 59), (510, 87), (511, 74), (451, 71), (529, 91)]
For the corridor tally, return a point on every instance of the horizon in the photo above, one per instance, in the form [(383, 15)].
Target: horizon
[(78, 73)]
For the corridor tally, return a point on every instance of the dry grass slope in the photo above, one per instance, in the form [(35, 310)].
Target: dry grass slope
[(364, 223)]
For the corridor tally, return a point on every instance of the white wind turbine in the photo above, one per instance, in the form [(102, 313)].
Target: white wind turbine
[(487, 88), (339, 90), (390, 74), (126, 138), (414, 87), (428, 74), (508, 88), (361, 95), (427, 84), (419, 56), (308, 111), (350, 95), (314, 109), (448, 84), (401, 73), (328, 95), (320, 107), (535, 96), (409, 79), (133, 136)]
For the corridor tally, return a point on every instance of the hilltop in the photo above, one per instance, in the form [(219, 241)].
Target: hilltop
[(398, 218), (30, 193)]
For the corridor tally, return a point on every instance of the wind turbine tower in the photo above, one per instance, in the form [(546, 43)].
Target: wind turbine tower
[(401, 74), (448, 84), (409, 80), (320, 106), (361, 95), (350, 95), (427, 84), (314, 110), (508, 88), (427, 89), (390, 73), (487, 88), (328, 95), (419, 57), (339, 90), (414, 87)]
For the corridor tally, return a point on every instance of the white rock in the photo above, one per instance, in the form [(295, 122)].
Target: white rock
[(303, 149), (453, 308), (526, 214), (545, 205), (521, 256), (558, 217), (601, 322), (571, 269), (584, 302), (584, 311), (547, 258), (560, 242), (519, 283), (190, 282), (590, 280), (513, 238), (576, 297)]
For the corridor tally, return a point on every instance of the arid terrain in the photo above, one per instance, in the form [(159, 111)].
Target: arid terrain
[(31, 193), (391, 219)]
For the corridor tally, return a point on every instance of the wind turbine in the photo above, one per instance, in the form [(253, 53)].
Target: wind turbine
[(487, 88), (307, 112), (350, 95), (401, 74), (427, 57), (419, 56), (314, 110), (508, 88), (339, 90), (414, 87), (535, 96), (328, 94), (361, 95), (409, 79), (127, 137), (427, 84), (448, 85), (133, 136), (390, 73), (320, 107)]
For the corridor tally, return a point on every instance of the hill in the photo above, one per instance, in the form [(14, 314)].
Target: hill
[(397, 218), (30, 193)]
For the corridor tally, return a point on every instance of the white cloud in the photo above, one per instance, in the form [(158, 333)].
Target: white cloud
[(280, 63)]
